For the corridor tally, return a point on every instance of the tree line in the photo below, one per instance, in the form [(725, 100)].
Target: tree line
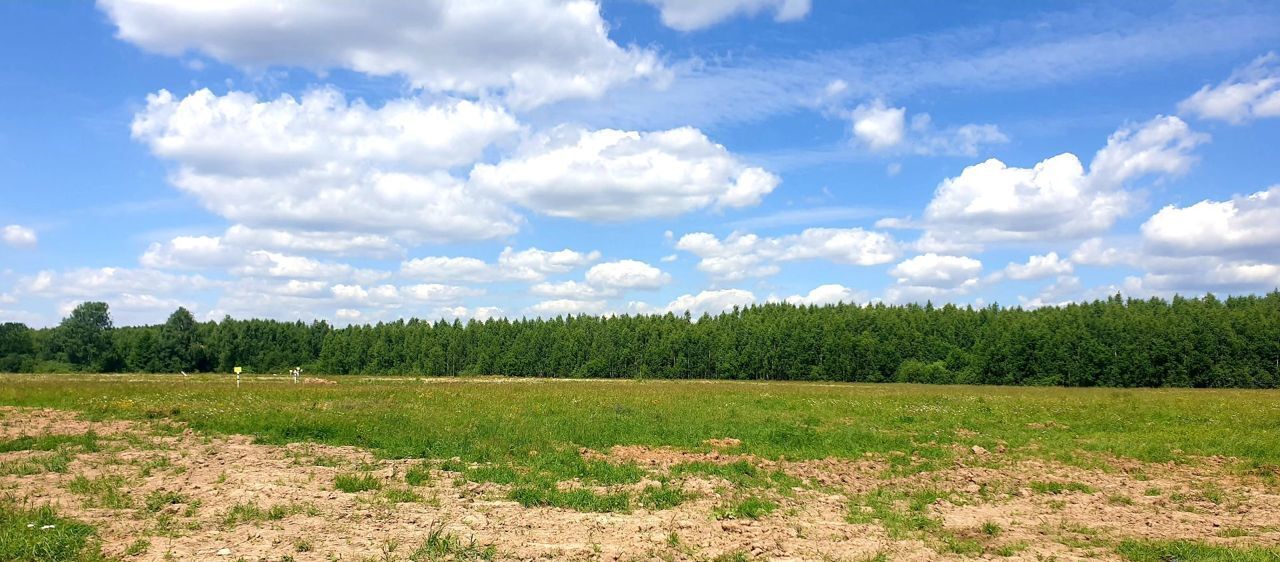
[(1183, 342)]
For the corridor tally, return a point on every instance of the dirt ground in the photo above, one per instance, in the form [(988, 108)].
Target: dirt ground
[(999, 504)]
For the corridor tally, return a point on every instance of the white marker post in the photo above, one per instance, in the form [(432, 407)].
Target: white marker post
[(237, 369)]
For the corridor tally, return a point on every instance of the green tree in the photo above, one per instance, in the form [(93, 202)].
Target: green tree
[(84, 338), (179, 342)]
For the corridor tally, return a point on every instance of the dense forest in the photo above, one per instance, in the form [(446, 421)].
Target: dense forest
[(1200, 342)]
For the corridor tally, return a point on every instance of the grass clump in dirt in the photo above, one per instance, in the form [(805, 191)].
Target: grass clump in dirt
[(158, 499), (246, 512), (579, 499), (353, 483), (103, 491), (87, 442), (1055, 488), (903, 514), (401, 495), (662, 496), (750, 507), (741, 474), (441, 545), (38, 534), (1191, 551), (417, 475)]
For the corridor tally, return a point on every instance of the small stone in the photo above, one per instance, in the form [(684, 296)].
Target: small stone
[(978, 450), (224, 552), (972, 488)]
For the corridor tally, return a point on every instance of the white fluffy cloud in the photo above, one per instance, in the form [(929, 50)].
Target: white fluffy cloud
[(335, 242), (828, 294), (321, 164), (940, 272), (1252, 92), (1096, 251), (134, 295), (191, 252), (1243, 226), (571, 290), (627, 274), (611, 175), (1231, 245), (18, 236), (879, 126), (535, 51), (1038, 267), (689, 15), (743, 255), (994, 202), (568, 307), (882, 128), (213, 252), (707, 302), (530, 264)]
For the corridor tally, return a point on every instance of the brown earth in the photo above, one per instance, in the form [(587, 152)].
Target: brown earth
[(211, 475)]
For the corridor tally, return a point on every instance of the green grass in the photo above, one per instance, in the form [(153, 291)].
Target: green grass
[(750, 507), (741, 474), (88, 442), (663, 496), (249, 512), (903, 514), (522, 422), (579, 499), (158, 499), (38, 534), (1188, 551), (1060, 487), (441, 546), (103, 491), (417, 475), (356, 482)]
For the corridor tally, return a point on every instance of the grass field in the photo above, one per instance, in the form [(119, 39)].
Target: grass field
[(632, 447)]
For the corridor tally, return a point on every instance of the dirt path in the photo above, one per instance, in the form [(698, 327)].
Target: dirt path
[(193, 497)]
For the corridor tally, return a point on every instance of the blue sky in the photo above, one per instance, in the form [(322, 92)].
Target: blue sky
[(367, 161)]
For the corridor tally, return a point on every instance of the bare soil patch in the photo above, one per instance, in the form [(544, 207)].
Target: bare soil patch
[(193, 496)]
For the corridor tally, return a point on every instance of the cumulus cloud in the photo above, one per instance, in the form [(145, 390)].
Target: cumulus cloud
[(1231, 245), (941, 272), (107, 281), (1056, 198), (213, 252), (690, 15), (532, 51), (18, 236), (882, 128), (335, 242), (611, 175), (879, 126), (1096, 251), (322, 164), (567, 307), (828, 294), (530, 264), (627, 274), (571, 290), (1038, 267), (1243, 226), (1252, 92), (743, 255), (705, 302)]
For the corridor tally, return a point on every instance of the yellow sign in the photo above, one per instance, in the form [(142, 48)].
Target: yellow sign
[(237, 370)]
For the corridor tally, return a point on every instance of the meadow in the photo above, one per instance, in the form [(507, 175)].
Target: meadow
[(898, 456)]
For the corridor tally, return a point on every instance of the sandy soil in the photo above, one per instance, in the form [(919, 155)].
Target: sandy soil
[(1202, 501)]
